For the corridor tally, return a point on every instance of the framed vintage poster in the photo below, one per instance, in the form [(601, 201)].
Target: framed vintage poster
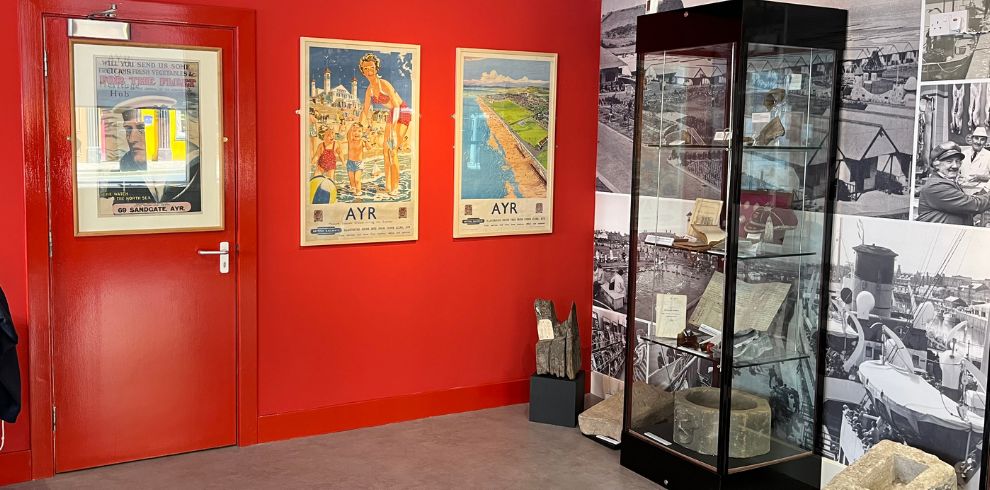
[(147, 139), (504, 143), (359, 128)]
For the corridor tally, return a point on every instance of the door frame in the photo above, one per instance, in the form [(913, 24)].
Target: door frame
[(33, 111)]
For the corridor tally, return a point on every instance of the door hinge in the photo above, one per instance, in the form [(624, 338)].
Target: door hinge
[(53, 418), (50, 246), (46, 64)]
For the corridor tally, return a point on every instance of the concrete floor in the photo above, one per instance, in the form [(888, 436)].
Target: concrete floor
[(495, 448)]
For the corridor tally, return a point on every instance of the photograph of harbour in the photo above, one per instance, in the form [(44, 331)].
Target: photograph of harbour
[(876, 109), (906, 333), (955, 42)]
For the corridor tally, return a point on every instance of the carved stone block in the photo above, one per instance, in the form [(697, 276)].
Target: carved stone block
[(543, 356), (889, 465), (696, 422), (651, 405), (563, 352), (558, 353)]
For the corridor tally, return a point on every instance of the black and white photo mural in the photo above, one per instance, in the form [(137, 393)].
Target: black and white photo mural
[(909, 296), (907, 340), (876, 109)]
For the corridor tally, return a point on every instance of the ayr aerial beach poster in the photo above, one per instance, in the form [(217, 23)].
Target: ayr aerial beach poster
[(504, 137)]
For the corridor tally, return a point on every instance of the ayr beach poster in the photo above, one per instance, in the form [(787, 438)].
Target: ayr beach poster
[(359, 128), (504, 143)]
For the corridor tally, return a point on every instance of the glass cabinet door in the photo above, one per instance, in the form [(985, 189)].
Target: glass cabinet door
[(684, 154), (782, 188), (685, 158)]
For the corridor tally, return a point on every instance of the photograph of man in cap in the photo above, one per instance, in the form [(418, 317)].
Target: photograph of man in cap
[(136, 183), (975, 169), (942, 198)]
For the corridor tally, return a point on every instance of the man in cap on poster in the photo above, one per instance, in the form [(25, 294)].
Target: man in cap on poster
[(975, 169), (942, 199), (144, 186)]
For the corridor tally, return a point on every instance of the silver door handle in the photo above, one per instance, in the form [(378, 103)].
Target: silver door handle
[(224, 254)]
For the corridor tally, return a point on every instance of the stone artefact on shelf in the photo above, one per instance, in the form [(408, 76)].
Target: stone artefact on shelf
[(696, 413)]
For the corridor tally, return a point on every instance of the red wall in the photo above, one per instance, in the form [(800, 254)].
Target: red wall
[(406, 324), (345, 324), (13, 262)]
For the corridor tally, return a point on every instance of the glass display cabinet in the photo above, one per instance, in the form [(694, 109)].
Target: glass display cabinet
[(734, 158)]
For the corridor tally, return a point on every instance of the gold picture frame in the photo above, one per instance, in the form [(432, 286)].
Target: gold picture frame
[(132, 172)]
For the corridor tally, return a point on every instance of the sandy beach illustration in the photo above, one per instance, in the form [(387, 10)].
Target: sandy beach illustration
[(517, 158)]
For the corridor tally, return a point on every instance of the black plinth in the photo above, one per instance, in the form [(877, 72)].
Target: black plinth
[(556, 401)]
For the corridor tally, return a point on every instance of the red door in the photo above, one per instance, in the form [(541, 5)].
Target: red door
[(144, 327)]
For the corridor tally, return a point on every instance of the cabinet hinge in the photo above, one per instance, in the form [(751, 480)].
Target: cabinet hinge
[(53, 418), (50, 246), (46, 64)]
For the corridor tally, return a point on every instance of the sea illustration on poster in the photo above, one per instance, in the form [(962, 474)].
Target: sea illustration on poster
[(505, 143), (359, 142)]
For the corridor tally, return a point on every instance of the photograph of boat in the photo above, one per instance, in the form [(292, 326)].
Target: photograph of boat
[(953, 39), (906, 334)]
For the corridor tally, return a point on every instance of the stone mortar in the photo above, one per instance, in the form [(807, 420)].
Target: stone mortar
[(696, 422)]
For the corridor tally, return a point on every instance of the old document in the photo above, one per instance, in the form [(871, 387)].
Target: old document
[(671, 315), (757, 304)]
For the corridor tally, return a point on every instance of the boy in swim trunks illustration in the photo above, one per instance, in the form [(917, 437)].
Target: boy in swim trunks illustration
[(356, 144)]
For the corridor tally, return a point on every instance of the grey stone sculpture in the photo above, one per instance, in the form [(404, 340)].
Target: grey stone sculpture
[(696, 422), (560, 356), (890, 465), (651, 405)]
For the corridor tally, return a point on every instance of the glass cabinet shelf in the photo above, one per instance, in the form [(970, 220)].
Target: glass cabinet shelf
[(757, 358), (661, 436), (743, 255)]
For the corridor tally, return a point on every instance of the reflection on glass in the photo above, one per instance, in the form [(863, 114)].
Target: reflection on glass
[(682, 274), (788, 96), (142, 138), (684, 153), (784, 178), (684, 121)]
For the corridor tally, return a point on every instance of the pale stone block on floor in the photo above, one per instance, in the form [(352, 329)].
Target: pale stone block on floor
[(892, 466), (651, 405)]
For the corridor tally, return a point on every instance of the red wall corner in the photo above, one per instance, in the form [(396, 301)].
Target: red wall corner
[(389, 410), (419, 328), (15, 467)]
